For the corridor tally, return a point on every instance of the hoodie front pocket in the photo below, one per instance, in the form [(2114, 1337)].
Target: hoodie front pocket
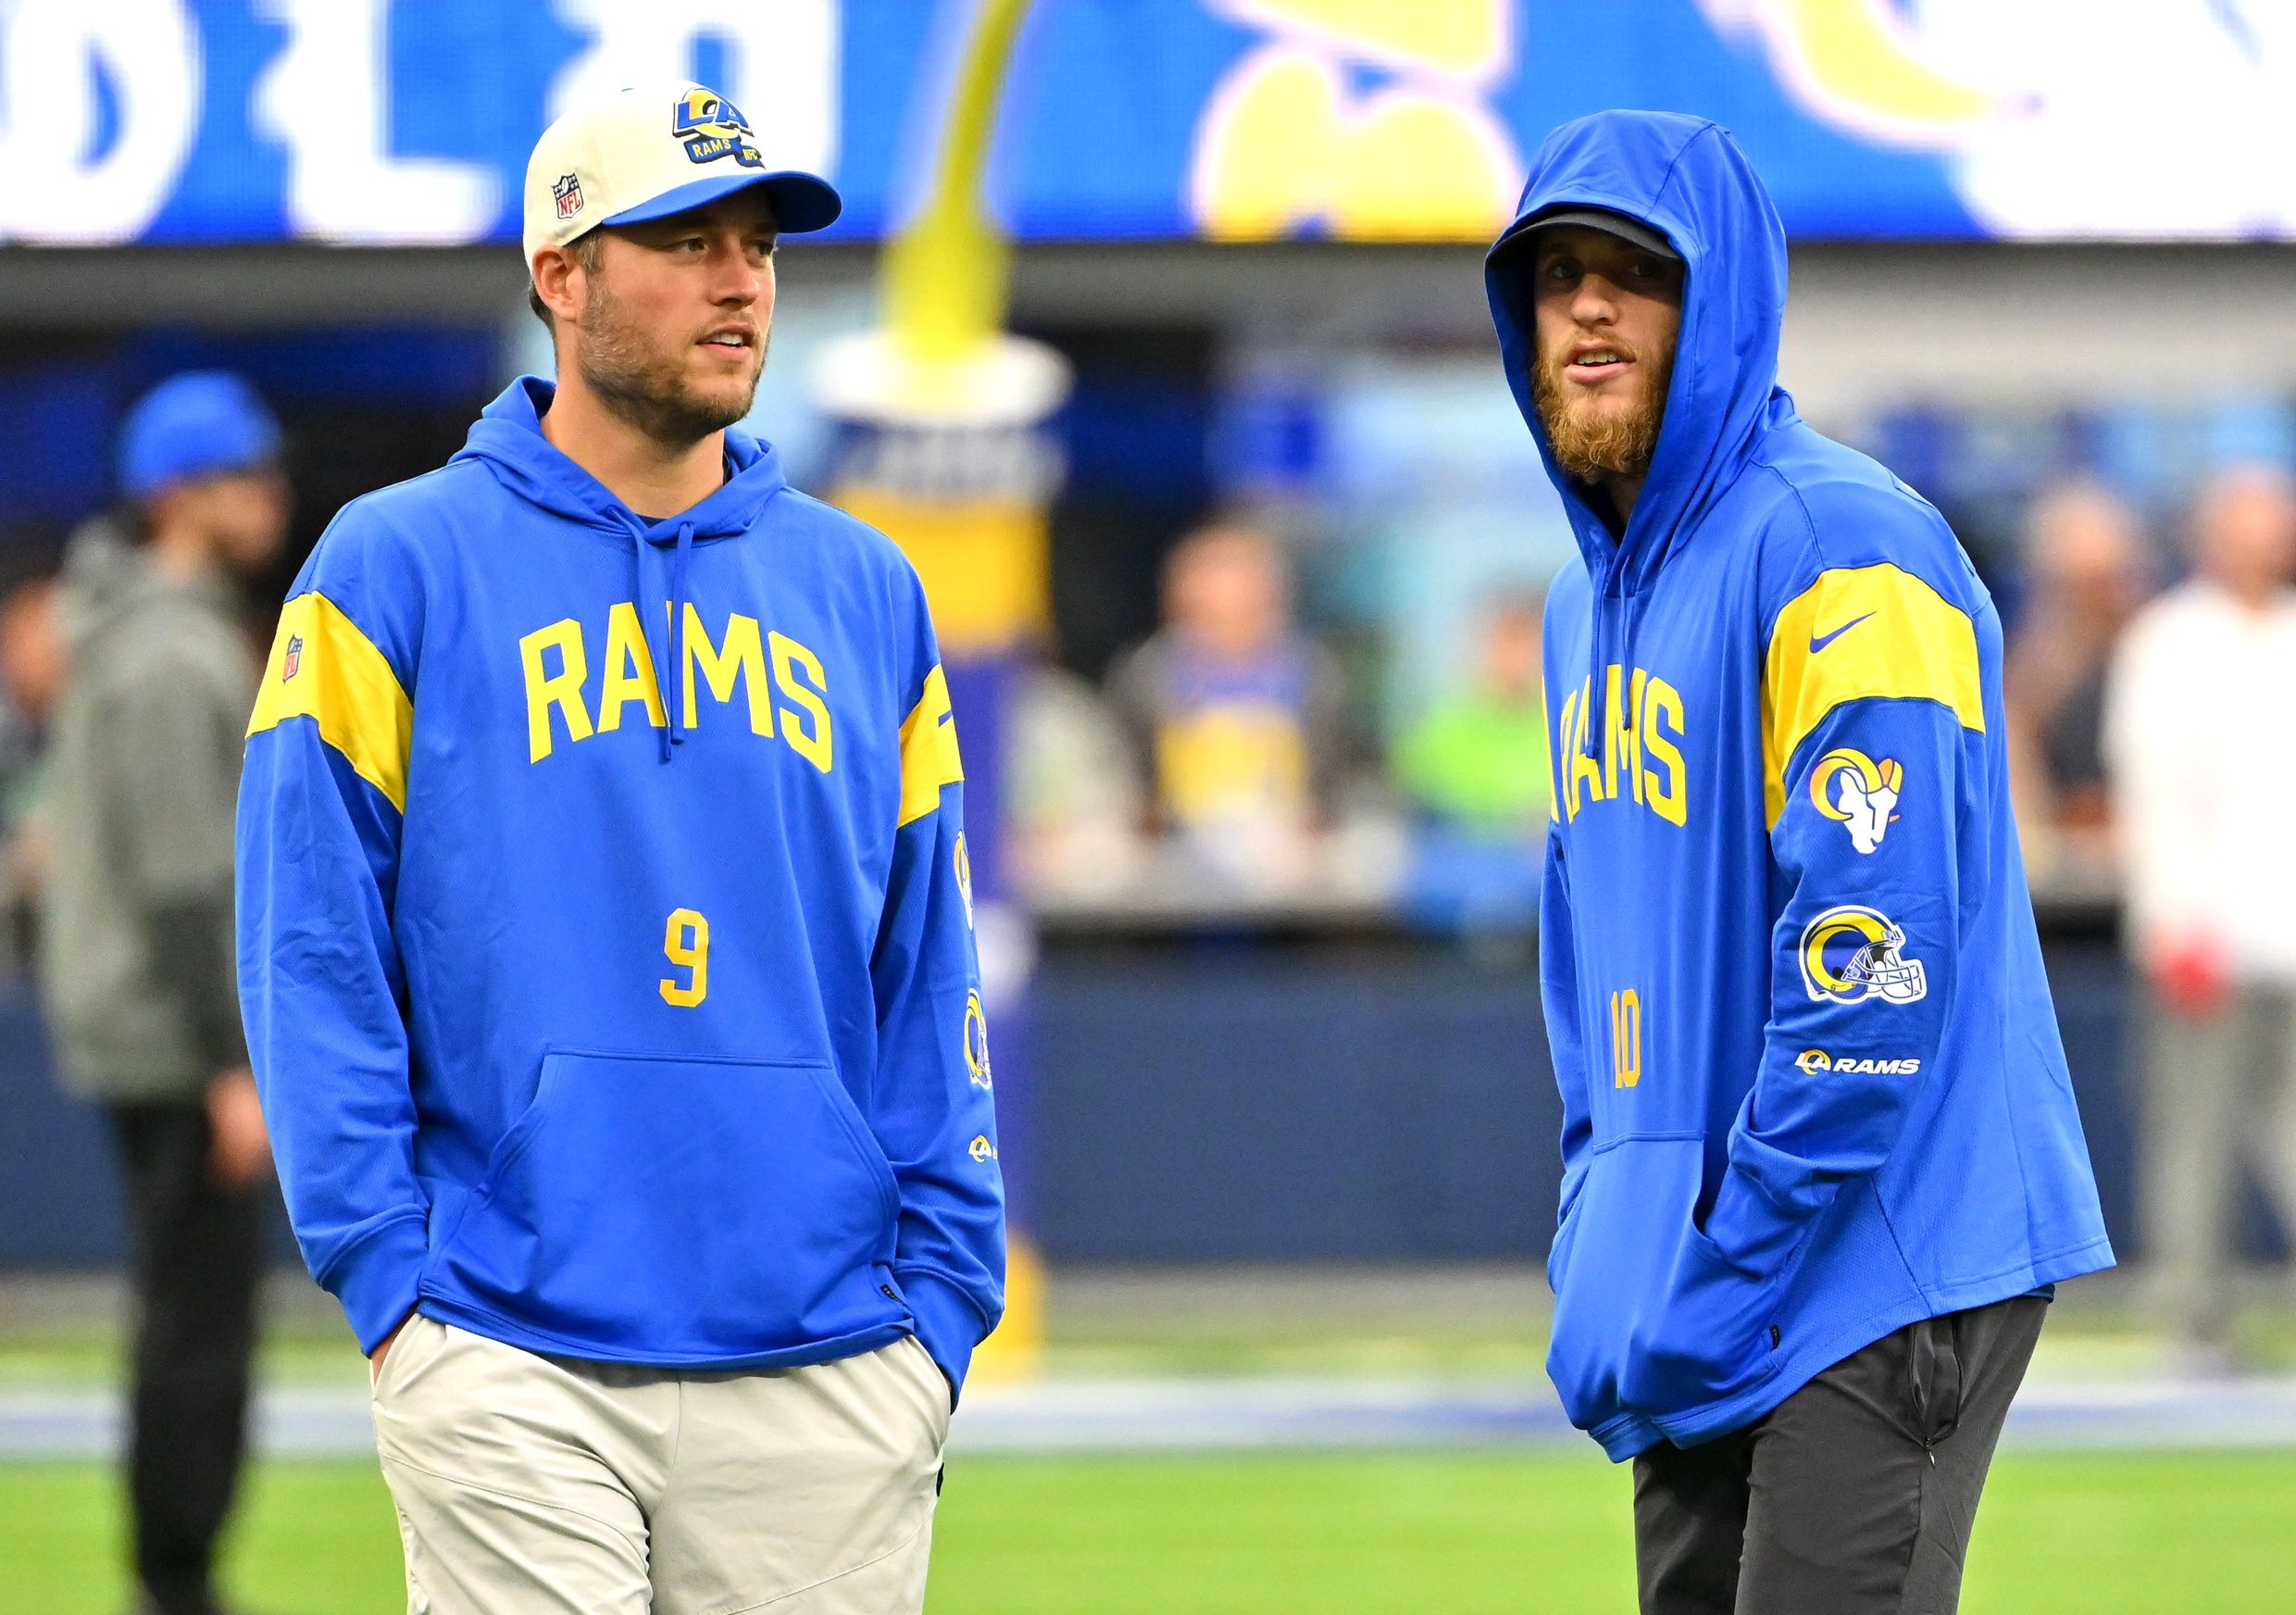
[(1613, 1273), (686, 1208)]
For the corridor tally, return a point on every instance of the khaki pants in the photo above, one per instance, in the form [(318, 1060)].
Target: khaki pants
[(527, 1484)]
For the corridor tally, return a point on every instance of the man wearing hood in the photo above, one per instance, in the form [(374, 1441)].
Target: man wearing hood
[(1821, 1158), (607, 951), (135, 939)]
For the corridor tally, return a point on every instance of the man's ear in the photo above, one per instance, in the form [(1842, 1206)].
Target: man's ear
[(560, 282)]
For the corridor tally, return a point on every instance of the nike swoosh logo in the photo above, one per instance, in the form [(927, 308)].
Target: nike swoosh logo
[(1820, 642)]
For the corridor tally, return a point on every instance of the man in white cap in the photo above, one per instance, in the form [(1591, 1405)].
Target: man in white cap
[(606, 952)]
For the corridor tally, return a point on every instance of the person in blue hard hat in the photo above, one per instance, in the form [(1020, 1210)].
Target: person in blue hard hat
[(135, 942), (1822, 1163)]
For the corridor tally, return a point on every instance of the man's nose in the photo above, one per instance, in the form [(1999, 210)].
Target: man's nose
[(738, 280), (1595, 303)]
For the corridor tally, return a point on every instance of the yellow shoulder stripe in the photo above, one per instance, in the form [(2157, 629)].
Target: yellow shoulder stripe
[(323, 667), (929, 759), (1860, 633)]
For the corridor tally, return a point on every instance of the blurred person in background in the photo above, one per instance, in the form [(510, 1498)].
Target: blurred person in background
[(32, 678), (2203, 777), (1474, 770), (1072, 804), (1235, 716), (2088, 570), (137, 968)]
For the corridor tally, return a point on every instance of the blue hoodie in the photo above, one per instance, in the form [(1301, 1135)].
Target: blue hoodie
[(618, 1015), (1812, 1084)]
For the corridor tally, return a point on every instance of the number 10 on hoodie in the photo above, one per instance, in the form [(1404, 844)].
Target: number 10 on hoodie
[(686, 944), (1625, 1037)]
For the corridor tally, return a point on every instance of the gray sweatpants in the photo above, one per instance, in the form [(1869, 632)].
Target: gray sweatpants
[(2219, 1093)]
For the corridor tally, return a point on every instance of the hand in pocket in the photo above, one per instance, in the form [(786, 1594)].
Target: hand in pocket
[(1709, 1340)]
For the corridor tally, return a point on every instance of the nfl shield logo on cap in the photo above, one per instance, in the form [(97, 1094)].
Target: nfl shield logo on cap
[(567, 189)]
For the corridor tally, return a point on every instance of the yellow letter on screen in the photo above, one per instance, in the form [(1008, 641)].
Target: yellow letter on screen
[(562, 689)]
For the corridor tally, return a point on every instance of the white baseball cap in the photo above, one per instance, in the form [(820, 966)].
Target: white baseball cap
[(650, 151)]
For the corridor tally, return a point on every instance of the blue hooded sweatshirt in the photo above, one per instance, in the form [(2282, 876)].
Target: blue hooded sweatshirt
[(1812, 1084), (605, 927)]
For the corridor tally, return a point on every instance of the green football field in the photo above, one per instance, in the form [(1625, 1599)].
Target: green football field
[(1368, 1533)]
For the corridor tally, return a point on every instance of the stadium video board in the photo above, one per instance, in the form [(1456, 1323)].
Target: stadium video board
[(407, 121)]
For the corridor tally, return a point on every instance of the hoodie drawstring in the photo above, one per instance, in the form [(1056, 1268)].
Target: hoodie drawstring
[(1597, 717), (1610, 648), (666, 635), (673, 677)]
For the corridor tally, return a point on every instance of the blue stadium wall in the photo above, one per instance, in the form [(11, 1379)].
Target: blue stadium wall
[(1207, 1103)]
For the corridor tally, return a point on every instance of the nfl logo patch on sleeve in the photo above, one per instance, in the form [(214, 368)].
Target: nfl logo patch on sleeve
[(293, 660)]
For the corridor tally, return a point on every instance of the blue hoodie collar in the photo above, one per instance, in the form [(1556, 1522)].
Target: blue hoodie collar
[(508, 439)]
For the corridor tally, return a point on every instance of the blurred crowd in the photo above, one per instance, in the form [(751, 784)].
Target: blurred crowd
[(1227, 762)]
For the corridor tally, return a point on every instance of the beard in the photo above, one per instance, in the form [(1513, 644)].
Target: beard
[(1590, 446), (645, 387)]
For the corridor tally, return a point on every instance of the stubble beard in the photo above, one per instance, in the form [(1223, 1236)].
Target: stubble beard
[(1590, 447), (646, 388)]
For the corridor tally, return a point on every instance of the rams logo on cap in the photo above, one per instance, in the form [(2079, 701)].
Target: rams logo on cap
[(713, 127), (1853, 953)]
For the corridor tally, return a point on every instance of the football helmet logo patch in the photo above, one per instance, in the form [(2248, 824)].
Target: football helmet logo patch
[(1853, 953), (1857, 793), (977, 1044)]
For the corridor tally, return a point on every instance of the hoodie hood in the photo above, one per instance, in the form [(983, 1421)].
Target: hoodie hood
[(508, 439), (1686, 178)]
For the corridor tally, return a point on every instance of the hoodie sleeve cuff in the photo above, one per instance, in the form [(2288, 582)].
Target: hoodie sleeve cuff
[(948, 1322), (375, 1279)]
